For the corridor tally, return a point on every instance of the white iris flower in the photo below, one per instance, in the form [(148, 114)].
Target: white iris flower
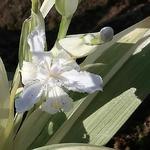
[(47, 76)]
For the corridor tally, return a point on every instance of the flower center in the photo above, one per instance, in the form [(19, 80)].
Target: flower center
[(53, 75), (56, 104)]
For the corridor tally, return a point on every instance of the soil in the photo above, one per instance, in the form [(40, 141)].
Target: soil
[(91, 16)]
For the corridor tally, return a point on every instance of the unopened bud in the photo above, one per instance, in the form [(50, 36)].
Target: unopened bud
[(106, 34), (66, 7)]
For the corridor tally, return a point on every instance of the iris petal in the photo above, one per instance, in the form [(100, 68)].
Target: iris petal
[(57, 100), (28, 72), (36, 40), (29, 97), (82, 81), (76, 46)]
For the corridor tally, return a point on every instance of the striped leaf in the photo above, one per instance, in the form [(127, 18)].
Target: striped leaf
[(4, 97), (46, 7), (72, 146), (115, 54)]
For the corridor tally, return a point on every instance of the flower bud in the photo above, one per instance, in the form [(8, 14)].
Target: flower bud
[(66, 7), (106, 34)]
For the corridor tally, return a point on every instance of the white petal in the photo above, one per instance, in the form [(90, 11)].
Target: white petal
[(38, 57), (61, 65), (64, 62), (44, 67), (67, 103), (28, 72), (36, 40), (76, 46), (29, 97), (57, 99), (47, 107), (82, 81), (52, 82)]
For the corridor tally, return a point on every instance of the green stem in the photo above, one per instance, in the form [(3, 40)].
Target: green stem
[(64, 25), (35, 5)]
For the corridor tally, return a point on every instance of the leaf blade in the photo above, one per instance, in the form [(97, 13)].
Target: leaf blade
[(108, 72), (73, 146)]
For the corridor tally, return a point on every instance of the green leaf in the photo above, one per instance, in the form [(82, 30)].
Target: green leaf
[(88, 66), (122, 95), (23, 46), (115, 54), (102, 119), (6, 111), (73, 146), (4, 97), (30, 129), (28, 26), (46, 7), (50, 128)]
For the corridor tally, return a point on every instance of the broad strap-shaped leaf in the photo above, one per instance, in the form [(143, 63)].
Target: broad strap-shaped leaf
[(23, 46), (30, 129), (38, 127), (130, 36), (4, 97), (102, 119), (73, 146), (46, 7), (115, 54)]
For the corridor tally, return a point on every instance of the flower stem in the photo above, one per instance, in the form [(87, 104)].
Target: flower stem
[(35, 5), (64, 25)]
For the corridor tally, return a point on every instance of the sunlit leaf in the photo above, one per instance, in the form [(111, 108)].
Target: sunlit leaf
[(115, 54), (30, 129), (73, 146), (46, 7), (4, 97)]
